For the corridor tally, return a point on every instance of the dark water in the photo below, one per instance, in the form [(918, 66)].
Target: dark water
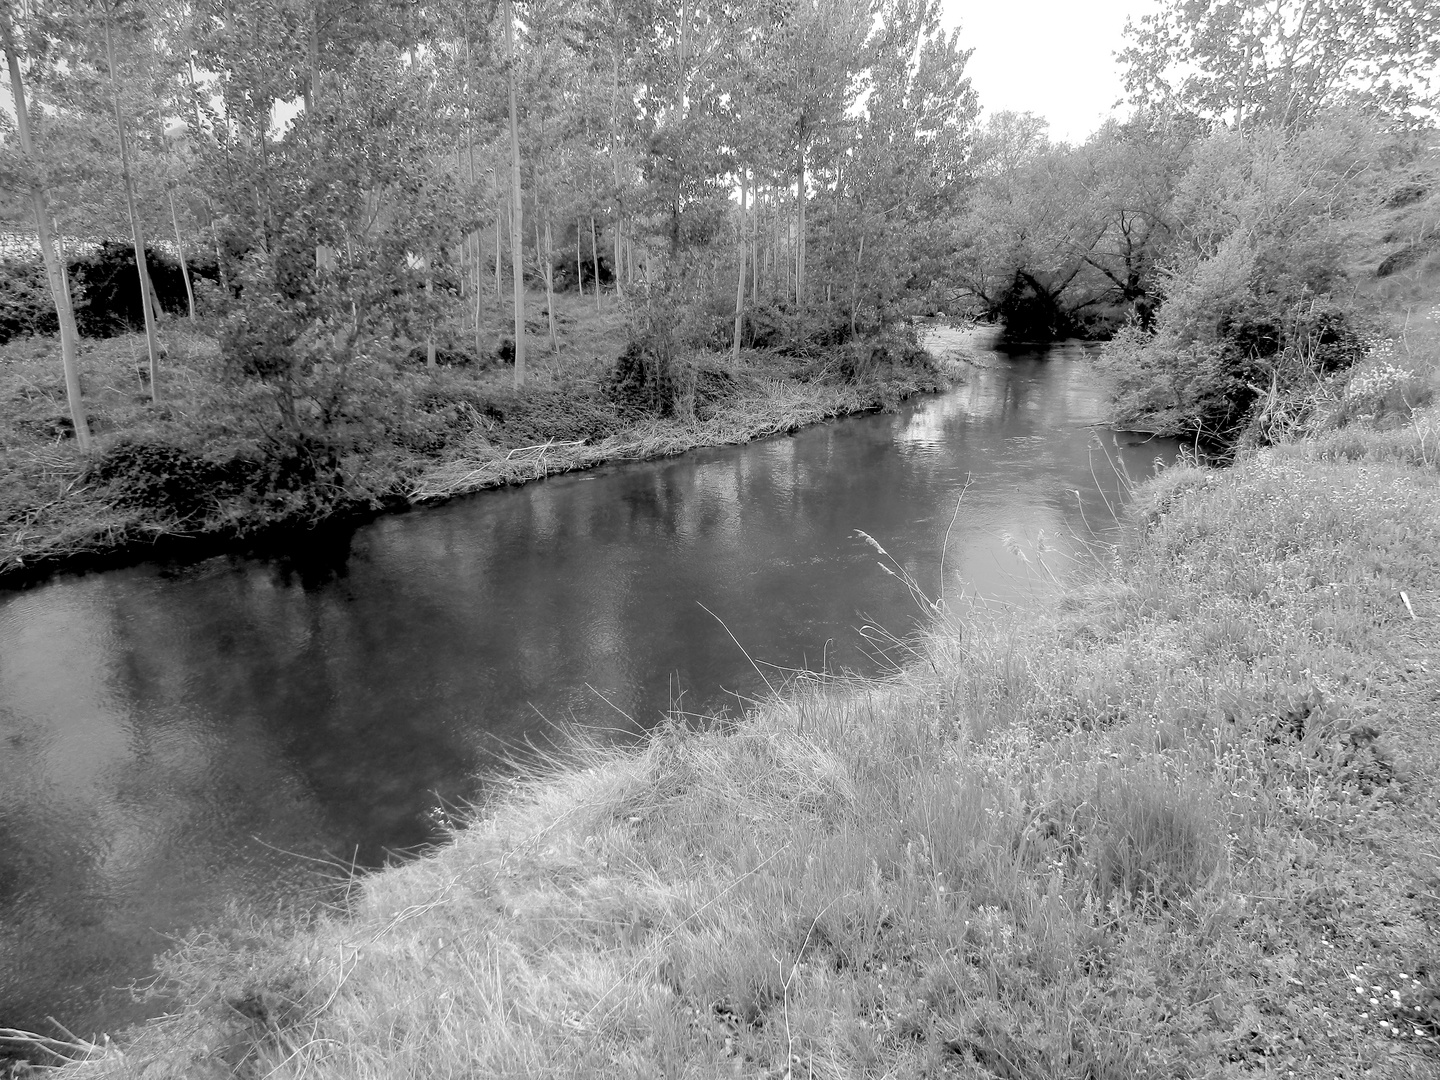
[(173, 738)]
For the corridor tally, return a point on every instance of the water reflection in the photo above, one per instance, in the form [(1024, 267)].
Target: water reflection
[(170, 734)]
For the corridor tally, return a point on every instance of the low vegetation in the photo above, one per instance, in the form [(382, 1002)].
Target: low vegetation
[(1183, 823)]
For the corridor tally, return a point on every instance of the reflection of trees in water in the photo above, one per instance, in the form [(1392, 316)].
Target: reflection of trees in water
[(127, 816)]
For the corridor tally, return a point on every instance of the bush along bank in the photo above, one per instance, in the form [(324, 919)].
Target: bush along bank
[(243, 449), (1183, 823), (1301, 256)]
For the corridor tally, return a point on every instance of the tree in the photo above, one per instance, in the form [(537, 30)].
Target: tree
[(1250, 62), (517, 231), (817, 56), (54, 269), (137, 231)]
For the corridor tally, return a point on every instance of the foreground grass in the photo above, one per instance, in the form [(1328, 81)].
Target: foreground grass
[(1183, 825), (204, 467)]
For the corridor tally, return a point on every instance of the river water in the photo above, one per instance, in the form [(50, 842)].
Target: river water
[(176, 737)]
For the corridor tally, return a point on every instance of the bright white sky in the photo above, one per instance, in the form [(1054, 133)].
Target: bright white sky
[(1051, 57)]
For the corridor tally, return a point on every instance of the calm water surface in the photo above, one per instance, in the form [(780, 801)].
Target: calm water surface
[(176, 737)]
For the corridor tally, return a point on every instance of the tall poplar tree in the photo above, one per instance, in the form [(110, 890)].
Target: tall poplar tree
[(54, 268)]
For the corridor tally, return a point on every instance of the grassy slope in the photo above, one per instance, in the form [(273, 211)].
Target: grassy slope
[(471, 431)]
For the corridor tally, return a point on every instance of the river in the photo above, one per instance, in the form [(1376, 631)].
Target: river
[(177, 737)]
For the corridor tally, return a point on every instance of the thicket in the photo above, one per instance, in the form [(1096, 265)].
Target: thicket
[(104, 290), (1259, 316)]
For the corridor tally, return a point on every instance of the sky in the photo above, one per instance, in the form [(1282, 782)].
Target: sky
[(1051, 57)]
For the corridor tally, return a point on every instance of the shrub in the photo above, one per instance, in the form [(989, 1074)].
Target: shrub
[(893, 349), (106, 289), (26, 306), (155, 476), (1237, 348), (649, 378)]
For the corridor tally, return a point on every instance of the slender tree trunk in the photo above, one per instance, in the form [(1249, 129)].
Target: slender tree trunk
[(54, 267), (579, 264), (136, 232), (740, 286), (462, 279), (497, 256), (618, 246), (155, 308), (755, 251), (209, 208), (479, 264), (180, 247), (312, 52), (800, 228), (595, 255), (776, 289), (855, 283), (549, 286), (517, 268), (614, 168), (430, 315)]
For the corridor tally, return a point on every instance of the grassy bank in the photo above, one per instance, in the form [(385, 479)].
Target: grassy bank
[(204, 470), (1182, 824)]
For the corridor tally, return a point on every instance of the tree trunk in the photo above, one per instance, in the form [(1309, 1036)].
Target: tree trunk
[(614, 163), (855, 283), (800, 228), (549, 287), (740, 286), (312, 84), (54, 268), (209, 208), (579, 263), (776, 290), (136, 232), (497, 255), (595, 256), (517, 268), (180, 248), (755, 251), (430, 315), (618, 246), (617, 250), (479, 290)]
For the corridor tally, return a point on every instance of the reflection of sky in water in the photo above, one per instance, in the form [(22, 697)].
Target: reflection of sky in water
[(170, 734)]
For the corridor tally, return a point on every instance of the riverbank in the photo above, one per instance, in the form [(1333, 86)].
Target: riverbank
[(1182, 823), (199, 474)]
